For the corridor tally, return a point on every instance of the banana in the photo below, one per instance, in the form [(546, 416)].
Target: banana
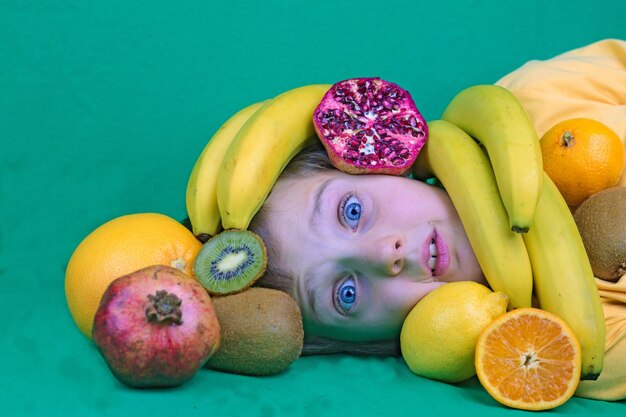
[(463, 168), (201, 194), (262, 148), (563, 279), (494, 116)]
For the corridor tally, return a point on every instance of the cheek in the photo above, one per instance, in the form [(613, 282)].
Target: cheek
[(421, 201), (391, 304), (396, 297)]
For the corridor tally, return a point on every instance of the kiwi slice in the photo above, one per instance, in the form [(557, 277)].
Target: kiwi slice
[(230, 261)]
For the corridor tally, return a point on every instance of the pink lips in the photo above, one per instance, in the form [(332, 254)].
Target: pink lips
[(443, 257)]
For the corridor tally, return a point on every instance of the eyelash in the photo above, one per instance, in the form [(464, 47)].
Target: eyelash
[(342, 207), (352, 279)]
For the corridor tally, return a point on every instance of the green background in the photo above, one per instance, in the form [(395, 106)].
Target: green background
[(104, 108)]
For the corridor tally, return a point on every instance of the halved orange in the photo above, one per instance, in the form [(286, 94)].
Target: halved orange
[(528, 359)]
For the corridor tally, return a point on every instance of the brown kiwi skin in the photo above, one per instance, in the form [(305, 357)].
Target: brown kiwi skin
[(261, 332), (601, 221)]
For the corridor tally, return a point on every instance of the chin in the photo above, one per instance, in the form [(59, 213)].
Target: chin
[(474, 273), (467, 271)]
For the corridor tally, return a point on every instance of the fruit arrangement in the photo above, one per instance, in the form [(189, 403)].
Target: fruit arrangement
[(548, 258), (196, 286), (131, 288)]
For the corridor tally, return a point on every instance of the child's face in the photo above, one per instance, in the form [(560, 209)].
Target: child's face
[(359, 248)]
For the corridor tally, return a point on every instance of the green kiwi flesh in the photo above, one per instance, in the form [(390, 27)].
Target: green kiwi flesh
[(261, 332), (230, 262), (601, 221)]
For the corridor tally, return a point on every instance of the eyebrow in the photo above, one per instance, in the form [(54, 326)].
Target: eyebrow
[(317, 202)]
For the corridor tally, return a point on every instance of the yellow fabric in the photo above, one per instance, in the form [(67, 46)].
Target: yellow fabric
[(611, 385), (586, 82)]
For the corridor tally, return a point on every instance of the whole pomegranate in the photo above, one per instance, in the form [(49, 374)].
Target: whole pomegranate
[(370, 126), (156, 327)]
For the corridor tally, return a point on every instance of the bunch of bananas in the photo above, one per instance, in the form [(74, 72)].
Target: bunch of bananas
[(241, 162), (485, 152)]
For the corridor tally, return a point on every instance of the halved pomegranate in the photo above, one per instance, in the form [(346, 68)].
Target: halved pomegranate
[(370, 126)]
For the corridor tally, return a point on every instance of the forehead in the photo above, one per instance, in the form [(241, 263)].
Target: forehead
[(306, 182), (291, 204), (293, 240)]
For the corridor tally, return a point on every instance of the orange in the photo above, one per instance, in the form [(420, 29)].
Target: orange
[(528, 359), (117, 248), (582, 157)]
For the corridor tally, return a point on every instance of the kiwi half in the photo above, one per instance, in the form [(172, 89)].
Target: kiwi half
[(230, 262)]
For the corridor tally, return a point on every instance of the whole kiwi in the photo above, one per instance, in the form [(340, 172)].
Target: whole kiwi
[(601, 220), (261, 332)]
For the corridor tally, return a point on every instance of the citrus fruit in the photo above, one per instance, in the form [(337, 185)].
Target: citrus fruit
[(528, 359), (120, 247), (438, 336), (582, 156)]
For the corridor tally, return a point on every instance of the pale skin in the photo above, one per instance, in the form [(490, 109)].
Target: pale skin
[(361, 250)]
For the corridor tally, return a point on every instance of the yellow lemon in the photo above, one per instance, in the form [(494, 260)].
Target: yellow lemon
[(439, 335)]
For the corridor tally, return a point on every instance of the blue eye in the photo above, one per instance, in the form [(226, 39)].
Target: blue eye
[(346, 295), (351, 211)]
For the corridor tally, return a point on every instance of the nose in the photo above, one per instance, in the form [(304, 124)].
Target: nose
[(388, 253)]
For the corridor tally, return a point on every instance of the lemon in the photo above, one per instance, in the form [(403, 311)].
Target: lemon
[(439, 335)]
